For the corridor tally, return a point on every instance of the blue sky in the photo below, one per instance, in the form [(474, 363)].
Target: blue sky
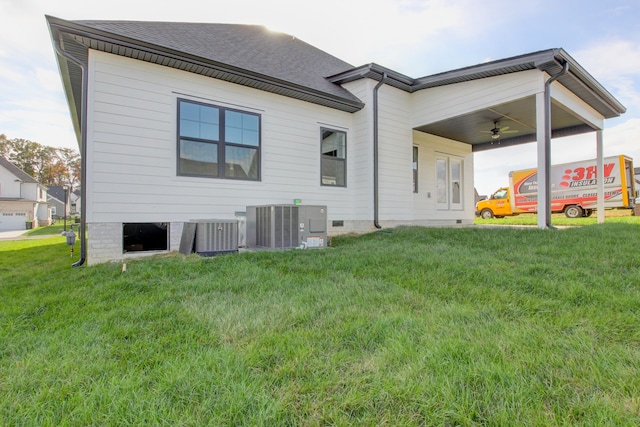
[(414, 37)]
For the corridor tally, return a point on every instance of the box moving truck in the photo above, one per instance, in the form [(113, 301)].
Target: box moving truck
[(574, 189)]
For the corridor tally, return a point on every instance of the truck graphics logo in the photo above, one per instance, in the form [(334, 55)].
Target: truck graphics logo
[(529, 184), (584, 177), (565, 179)]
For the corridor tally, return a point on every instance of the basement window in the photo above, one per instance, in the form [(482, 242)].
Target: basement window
[(145, 236)]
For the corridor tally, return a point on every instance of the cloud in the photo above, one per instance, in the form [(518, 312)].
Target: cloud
[(615, 64), (48, 79), (46, 127), (491, 168), (623, 139), (11, 75), (23, 29), (390, 32)]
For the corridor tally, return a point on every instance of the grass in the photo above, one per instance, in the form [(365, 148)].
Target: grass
[(48, 230), (623, 216), (413, 326)]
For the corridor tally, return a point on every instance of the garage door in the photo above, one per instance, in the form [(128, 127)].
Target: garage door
[(12, 221)]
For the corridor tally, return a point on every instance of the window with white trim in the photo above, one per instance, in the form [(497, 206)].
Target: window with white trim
[(333, 153), (218, 142)]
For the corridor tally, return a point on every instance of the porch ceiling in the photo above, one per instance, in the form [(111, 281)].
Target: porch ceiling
[(519, 115)]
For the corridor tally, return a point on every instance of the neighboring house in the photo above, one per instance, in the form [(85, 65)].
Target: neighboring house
[(74, 200), (188, 121), (477, 197), (22, 199), (56, 198)]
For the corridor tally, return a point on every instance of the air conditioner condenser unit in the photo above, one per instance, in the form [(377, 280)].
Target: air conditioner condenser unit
[(286, 226), (210, 237)]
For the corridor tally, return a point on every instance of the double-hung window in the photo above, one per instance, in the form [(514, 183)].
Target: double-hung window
[(218, 142), (333, 154)]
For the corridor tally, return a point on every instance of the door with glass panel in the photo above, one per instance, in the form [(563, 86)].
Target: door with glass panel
[(449, 191)]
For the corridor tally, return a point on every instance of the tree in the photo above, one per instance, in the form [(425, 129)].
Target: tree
[(4, 146), (70, 158), (48, 165), (28, 156)]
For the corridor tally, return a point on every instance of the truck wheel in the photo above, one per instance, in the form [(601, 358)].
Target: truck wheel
[(486, 214), (573, 211)]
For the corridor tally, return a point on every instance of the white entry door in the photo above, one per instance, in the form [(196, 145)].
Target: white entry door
[(449, 184)]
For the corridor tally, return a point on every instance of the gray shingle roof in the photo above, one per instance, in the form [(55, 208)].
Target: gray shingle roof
[(249, 55), (16, 171), (56, 191), (279, 63), (248, 47)]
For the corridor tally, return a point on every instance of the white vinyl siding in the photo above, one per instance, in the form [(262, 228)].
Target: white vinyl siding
[(9, 185), (435, 104), (132, 139), (132, 157), (395, 155), (360, 158), (425, 206)]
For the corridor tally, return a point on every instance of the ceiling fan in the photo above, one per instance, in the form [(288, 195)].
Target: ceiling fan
[(496, 132)]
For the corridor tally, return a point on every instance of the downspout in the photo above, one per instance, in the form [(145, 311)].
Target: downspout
[(375, 151), (547, 140), (83, 154)]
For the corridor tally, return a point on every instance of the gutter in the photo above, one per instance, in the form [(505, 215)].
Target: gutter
[(230, 73), (547, 140), (587, 81), (375, 151), (83, 153)]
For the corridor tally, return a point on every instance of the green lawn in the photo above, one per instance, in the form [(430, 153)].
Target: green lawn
[(413, 326), (623, 216), (57, 228), (46, 230)]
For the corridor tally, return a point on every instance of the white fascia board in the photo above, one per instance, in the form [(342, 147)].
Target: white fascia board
[(577, 106)]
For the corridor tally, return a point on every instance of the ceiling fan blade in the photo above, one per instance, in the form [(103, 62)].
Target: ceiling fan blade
[(502, 129)]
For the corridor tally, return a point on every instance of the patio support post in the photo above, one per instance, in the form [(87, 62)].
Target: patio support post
[(542, 159), (600, 175)]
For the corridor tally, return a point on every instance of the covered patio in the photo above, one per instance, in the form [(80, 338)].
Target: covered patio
[(532, 98)]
